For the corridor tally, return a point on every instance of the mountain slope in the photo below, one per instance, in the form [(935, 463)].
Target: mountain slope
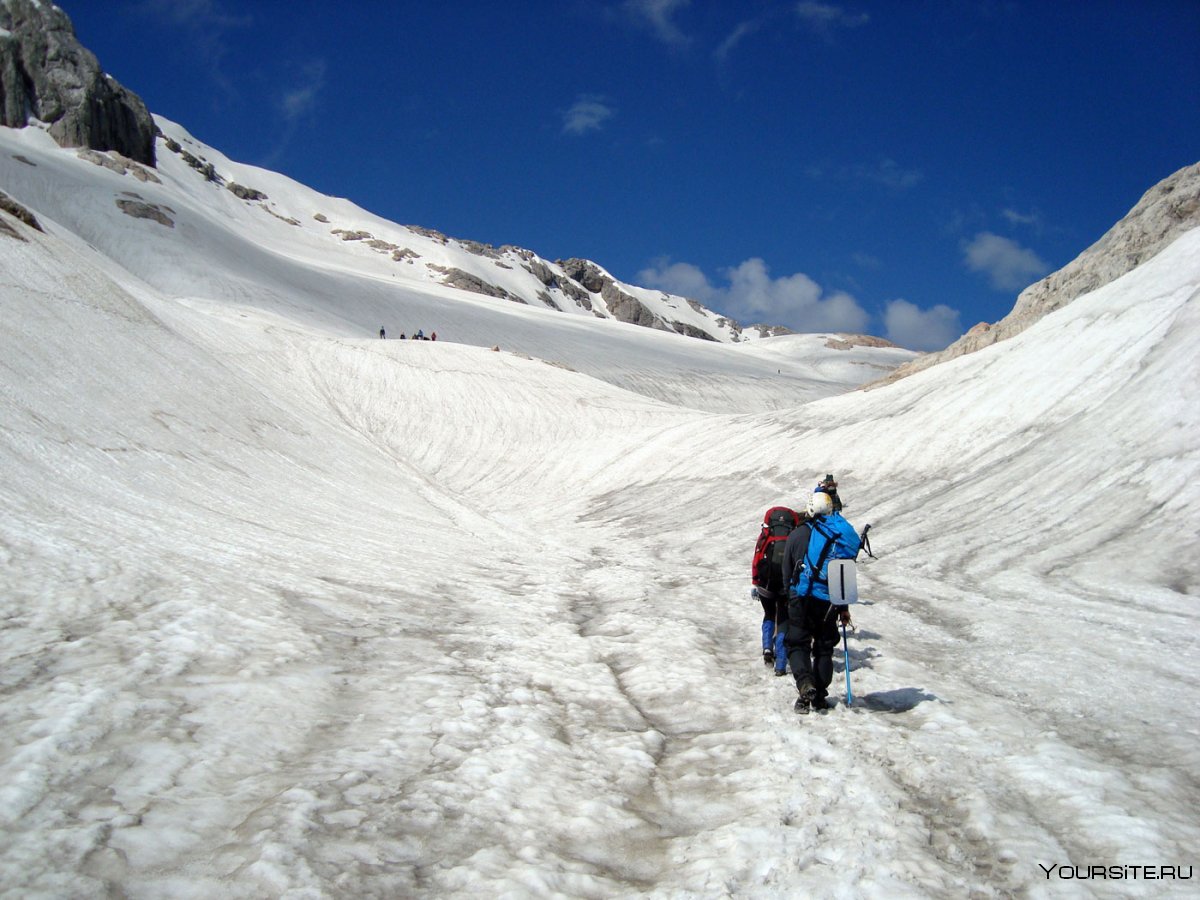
[(190, 237), (293, 609)]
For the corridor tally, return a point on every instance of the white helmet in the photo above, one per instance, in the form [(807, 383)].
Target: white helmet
[(820, 504)]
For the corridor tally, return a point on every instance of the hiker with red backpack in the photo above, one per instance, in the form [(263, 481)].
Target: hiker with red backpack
[(771, 582), (812, 629)]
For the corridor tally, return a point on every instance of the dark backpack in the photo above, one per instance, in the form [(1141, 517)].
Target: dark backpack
[(767, 568)]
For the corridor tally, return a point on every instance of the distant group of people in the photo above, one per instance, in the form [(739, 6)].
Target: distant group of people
[(419, 336), (789, 573)]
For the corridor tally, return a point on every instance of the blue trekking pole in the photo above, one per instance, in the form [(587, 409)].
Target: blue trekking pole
[(862, 542), (846, 660)]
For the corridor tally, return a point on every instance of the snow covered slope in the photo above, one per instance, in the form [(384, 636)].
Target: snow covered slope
[(290, 610), (192, 237)]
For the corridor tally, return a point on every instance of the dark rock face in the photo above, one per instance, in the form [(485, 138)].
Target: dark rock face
[(623, 307), (584, 272), (627, 308), (46, 74)]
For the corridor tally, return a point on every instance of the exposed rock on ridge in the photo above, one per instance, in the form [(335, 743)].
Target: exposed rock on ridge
[(46, 74), (624, 307), (1164, 213), (17, 211)]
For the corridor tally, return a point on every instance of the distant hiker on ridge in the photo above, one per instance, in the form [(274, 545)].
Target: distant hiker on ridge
[(382, 333)]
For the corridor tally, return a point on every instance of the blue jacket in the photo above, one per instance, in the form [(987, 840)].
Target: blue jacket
[(812, 580)]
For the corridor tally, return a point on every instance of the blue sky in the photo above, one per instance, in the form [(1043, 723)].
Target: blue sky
[(897, 168)]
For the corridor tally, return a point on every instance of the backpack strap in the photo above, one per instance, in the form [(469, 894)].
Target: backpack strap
[(830, 540)]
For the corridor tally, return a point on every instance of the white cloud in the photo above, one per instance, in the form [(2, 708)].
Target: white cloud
[(205, 14), (679, 278), (1008, 265), (206, 25), (299, 100), (910, 326), (740, 33), (588, 113), (825, 17), (886, 172), (657, 15), (867, 261), (753, 296), (1033, 219)]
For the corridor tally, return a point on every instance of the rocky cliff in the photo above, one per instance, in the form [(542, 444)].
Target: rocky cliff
[(46, 74), (1165, 212)]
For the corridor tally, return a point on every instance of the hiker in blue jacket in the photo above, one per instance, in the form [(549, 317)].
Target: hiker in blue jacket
[(812, 629)]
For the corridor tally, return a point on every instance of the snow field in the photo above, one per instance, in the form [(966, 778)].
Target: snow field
[(291, 612)]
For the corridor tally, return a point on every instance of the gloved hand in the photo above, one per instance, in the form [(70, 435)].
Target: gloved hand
[(844, 616)]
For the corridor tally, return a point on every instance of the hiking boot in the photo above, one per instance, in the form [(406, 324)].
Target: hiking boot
[(768, 657), (780, 672), (807, 690), (819, 704), (802, 706)]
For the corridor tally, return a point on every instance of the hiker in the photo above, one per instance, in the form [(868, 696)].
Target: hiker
[(433, 337), (829, 486), (812, 629), (771, 582), (382, 333), (403, 336), (420, 336)]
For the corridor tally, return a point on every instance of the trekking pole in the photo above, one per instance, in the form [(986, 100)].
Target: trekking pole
[(863, 543), (846, 660)]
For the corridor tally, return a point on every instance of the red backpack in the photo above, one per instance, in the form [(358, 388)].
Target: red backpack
[(767, 568)]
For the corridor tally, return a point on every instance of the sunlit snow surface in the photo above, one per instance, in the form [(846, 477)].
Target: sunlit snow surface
[(292, 611)]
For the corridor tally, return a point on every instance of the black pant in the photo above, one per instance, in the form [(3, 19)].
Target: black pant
[(775, 609), (812, 633)]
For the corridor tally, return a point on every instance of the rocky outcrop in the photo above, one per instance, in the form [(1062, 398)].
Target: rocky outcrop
[(480, 249), (551, 279), (586, 273), (540, 270), (122, 165), (846, 341), (622, 306), (205, 168), (429, 233), (17, 211), (46, 74), (1164, 213), (140, 209), (690, 331), (465, 281), (627, 308), (766, 331), (245, 193)]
